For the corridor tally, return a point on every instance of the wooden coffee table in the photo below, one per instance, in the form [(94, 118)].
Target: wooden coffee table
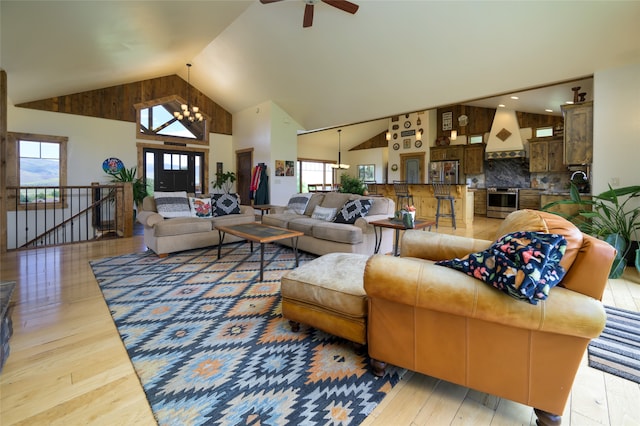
[(259, 233), (398, 226)]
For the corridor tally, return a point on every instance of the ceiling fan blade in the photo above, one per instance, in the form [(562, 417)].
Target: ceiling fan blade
[(269, 1), (308, 16), (345, 5)]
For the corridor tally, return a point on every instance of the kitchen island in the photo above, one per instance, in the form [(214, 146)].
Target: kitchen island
[(425, 202)]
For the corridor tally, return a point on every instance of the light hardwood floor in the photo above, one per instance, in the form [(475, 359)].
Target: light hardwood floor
[(68, 366)]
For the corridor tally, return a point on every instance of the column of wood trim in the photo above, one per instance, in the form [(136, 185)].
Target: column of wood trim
[(3, 161)]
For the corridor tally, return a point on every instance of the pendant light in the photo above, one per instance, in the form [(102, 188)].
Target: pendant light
[(187, 111), (339, 165)]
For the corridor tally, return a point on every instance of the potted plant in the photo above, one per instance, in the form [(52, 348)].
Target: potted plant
[(129, 175), (352, 185), (610, 217), (224, 181)]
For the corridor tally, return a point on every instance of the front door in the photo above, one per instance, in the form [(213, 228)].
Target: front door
[(174, 170)]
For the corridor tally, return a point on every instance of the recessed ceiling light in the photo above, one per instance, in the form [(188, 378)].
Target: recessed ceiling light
[(548, 110), (515, 97), (501, 105)]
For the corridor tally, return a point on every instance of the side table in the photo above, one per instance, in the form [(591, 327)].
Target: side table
[(263, 208), (398, 226)]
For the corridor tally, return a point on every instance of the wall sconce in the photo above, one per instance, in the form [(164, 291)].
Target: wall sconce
[(454, 135), (418, 135), (388, 135)]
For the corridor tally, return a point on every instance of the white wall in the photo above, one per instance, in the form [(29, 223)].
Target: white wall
[(272, 133), (616, 128), (92, 140)]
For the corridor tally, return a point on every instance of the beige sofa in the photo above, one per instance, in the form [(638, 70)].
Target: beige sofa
[(165, 236), (322, 237)]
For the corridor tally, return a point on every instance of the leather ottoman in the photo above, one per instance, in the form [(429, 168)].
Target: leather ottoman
[(328, 294)]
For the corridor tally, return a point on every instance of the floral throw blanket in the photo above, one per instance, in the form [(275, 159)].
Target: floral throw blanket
[(525, 265)]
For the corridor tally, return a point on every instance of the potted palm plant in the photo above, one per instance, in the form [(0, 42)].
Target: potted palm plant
[(611, 217), (129, 175)]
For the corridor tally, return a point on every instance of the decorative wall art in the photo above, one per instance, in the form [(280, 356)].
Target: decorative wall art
[(289, 168), (406, 143), (396, 146), (447, 120), (279, 167), (367, 172)]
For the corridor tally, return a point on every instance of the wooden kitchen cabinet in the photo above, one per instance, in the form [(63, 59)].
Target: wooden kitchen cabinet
[(578, 133), (439, 153), (529, 199), (473, 159), (546, 155), (480, 202)]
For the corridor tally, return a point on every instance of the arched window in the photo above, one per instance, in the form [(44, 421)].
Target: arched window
[(156, 121)]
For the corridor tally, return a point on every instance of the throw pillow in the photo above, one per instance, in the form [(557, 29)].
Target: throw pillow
[(352, 210), (323, 213), (224, 204), (525, 265), (298, 203), (200, 207), (172, 204)]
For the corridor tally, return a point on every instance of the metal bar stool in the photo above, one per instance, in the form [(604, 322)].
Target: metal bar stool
[(442, 192), (401, 189)]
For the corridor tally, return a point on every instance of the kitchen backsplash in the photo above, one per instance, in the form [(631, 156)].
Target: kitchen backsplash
[(514, 173)]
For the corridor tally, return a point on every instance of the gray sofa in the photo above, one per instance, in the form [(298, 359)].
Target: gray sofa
[(322, 237), (165, 236)]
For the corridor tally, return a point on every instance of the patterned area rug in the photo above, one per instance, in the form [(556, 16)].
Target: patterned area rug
[(210, 346), (617, 350)]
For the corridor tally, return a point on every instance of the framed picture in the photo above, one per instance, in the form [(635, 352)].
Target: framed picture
[(447, 120), (406, 143), (367, 172), (218, 167), (288, 168), (279, 167)]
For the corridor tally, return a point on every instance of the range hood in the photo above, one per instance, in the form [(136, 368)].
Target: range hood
[(504, 139)]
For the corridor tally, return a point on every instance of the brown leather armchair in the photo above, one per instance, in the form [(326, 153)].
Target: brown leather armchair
[(446, 324)]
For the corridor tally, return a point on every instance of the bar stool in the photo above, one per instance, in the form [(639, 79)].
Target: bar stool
[(401, 189), (442, 192)]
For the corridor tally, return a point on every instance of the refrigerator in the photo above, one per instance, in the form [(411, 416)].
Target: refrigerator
[(444, 171)]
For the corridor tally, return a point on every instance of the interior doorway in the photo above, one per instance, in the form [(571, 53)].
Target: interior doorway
[(244, 161), (412, 167)]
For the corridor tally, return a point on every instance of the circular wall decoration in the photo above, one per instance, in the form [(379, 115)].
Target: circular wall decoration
[(407, 124), (418, 144), (396, 146), (394, 167), (112, 165), (395, 136)]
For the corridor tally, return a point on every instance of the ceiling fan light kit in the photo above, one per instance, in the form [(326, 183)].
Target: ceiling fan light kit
[(307, 20)]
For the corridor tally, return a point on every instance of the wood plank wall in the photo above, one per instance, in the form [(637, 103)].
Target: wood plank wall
[(117, 102), (480, 120)]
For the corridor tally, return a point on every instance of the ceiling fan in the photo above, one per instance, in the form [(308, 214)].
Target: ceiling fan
[(344, 5)]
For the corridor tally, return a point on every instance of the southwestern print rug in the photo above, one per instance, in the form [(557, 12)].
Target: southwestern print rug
[(210, 346), (617, 349)]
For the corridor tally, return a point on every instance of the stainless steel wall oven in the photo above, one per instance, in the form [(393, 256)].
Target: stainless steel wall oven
[(501, 201)]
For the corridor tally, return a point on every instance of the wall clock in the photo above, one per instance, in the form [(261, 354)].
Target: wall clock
[(396, 146), (407, 124), (418, 144), (394, 167)]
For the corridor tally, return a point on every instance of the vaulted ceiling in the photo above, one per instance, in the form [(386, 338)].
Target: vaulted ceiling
[(391, 57)]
